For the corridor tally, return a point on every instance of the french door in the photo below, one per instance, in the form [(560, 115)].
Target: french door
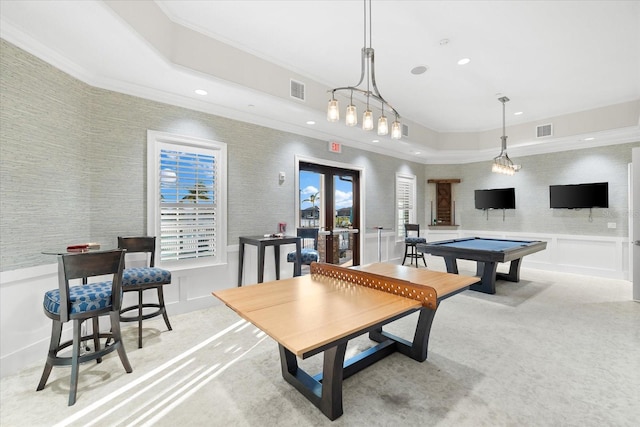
[(330, 201)]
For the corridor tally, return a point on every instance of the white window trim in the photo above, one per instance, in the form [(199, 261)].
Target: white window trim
[(154, 141), (412, 212)]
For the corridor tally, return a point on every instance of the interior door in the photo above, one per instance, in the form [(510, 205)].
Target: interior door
[(329, 200)]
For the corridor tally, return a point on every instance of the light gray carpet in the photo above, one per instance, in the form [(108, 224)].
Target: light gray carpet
[(553, 349)]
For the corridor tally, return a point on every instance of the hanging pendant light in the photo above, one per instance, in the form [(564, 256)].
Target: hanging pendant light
[(367, 119), (352, 113), (371, 91), (383, 127), (333, 111), (502, 163), (396, 129)]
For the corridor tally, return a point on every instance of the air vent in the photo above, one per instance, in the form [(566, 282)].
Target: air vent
[(405, 130), (297, 90), (544, 130)]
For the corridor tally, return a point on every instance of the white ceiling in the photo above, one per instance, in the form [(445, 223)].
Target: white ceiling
[(549, 58)]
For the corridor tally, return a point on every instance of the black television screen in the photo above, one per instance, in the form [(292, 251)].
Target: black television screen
[(577, 196), (498, 198)]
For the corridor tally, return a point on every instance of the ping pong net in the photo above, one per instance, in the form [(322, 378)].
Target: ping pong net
[(423, 293)]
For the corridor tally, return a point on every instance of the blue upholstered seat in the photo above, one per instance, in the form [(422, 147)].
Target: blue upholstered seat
[(93, 296), (415, 240), (136, 276), (307, 256)]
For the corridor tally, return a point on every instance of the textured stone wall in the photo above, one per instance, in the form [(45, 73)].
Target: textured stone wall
[(74, 164)]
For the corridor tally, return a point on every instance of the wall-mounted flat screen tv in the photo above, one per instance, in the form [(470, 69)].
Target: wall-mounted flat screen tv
[(576, 196), (497, 198)]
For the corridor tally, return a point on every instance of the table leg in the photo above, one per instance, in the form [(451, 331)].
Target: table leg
[(297, 269), (325, 395), (240, 263), (452, 264), (487, 272), (260, 263), (417, 350), (276, 256), (514, 272)]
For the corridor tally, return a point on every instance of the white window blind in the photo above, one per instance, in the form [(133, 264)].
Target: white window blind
[(188, 209), (405, 202), (187, 205)]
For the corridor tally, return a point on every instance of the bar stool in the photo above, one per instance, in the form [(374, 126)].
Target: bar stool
[(84, 302), (139, 279), (410, 242)]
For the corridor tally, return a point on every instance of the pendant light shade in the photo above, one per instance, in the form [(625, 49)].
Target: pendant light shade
[(383, 126), (333, 111), (396, 130), (367, 120), (352, 115)]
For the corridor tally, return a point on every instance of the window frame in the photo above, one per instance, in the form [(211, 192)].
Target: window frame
[(411, 180), (156, 141)]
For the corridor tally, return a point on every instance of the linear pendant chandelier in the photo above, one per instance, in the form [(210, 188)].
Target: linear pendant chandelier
[(502, 163), (371, 92)]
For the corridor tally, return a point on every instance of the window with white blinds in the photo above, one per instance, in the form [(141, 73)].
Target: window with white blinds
[(405, 202), (185, 180)]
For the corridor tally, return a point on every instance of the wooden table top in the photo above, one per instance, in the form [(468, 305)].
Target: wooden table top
[(307, 312)]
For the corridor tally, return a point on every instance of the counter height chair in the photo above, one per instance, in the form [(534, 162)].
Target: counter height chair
[(308, 247), (140, 279), (84, 302), (411, 239)]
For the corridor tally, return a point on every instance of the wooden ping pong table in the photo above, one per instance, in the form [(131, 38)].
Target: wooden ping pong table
[(321, 312)]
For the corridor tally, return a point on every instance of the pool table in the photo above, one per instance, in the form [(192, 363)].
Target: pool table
[(487, 253)]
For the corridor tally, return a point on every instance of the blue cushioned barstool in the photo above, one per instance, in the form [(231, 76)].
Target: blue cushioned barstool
[(410, 242), (139, 279), (83, 302), (309, 247)]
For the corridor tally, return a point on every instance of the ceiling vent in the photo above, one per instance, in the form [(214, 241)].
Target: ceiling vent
[(296, 90), (544, 130), (405, 130)]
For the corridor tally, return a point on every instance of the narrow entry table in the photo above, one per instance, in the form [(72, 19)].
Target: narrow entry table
[(261, 242)]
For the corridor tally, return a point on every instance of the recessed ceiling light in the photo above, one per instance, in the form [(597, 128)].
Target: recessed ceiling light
[(375, 140), (417, 152), (464, 61), (201, 92), (311, 122), (518, 113), (420, 69), (589, 139)]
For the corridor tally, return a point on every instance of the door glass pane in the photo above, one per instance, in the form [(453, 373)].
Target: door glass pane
[(310, 199), (343, 219)]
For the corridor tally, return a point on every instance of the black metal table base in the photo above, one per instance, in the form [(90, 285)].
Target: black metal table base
[(487, 271), (325, 390)]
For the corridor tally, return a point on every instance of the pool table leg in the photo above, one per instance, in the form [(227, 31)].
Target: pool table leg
[(452, 264), (487, 272), (514, 272)]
